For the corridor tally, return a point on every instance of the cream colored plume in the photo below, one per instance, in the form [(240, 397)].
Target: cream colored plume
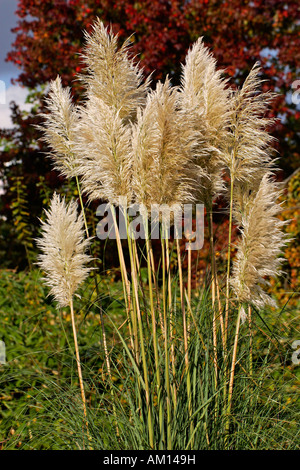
[(249, 154), (114, 91), (248, 146), (63, 248), (59, 127), (258, 255), (104, 152), (112, 75), (244, 193), (162, 166), (204, 95)]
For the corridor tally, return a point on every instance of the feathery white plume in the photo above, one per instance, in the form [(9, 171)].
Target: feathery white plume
[(112, 75), (114, 91), (259, 249), (104, 152), (59, 127), (204, 95), (244, 193), (63, 247)]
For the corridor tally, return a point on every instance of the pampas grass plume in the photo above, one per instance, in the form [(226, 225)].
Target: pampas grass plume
[(59, 127), (63, 248), (248, 151), (204, 96), (258, 255), (104, 153), (111, 74), (163, 170)]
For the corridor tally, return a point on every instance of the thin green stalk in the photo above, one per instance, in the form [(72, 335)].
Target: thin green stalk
[(194, 321), (126, 287), (189, 272), (180, 277), (214, 289), (227, 282), (138, 267), (171, 319), (142, 341), (156, 288), (78, 363), (220, 313), (155, 338), (213, 285), (250, 343), (167, 359), (82, 207), (187, 365), (231, 380)]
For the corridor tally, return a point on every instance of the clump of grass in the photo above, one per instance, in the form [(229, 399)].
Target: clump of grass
[(261, 416), (182, 371)]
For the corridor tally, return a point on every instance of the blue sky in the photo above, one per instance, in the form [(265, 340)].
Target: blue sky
[(8, 20)]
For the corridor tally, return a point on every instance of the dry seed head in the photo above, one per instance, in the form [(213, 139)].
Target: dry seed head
[(104, 152), (59, 127), (259, 249), (162, 166), (112, 75), (248, 145), (204, 94), (63, 247), (244, 193), (204, 90)]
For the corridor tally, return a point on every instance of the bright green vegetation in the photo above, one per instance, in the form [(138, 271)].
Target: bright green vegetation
[(40, 397)]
